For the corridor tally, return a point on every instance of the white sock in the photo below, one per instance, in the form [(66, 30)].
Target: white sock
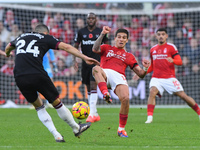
[(65, 114), (120, 129), (93, 103), (45, 118)]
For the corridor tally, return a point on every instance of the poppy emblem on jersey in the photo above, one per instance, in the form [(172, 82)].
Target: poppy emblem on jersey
[(90, 36), (159, 51), (118, 53)]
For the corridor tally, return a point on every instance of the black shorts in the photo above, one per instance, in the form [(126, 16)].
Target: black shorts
[(30, 85), (86, 74)]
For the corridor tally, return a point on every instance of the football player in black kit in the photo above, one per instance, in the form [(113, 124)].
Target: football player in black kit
[(86, 37), (31, 77)]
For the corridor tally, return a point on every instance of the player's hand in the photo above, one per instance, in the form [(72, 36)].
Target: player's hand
[(169, 59), (91, 61), (146, 63), (106, 29)]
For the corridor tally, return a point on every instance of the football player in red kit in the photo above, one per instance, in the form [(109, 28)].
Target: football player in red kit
[(111, 72)]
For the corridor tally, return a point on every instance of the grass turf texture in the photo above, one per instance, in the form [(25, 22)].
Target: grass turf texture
[(21, 129)]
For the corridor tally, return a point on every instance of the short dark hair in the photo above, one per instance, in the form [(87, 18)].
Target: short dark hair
[(91, 13), (162, 29), (122, 31), (41, 28)]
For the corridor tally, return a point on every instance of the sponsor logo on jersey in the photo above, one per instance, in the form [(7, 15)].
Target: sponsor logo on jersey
[(154, 51), (112, 54), (84, 36), (159, 56), (88, 42)]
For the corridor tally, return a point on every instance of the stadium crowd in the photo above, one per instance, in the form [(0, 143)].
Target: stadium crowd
[(182, 31)]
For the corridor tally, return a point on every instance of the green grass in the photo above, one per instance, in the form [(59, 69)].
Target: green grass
[(21, 129)]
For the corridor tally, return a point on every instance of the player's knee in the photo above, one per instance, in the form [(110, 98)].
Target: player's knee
[(96, 69), (124, 99)]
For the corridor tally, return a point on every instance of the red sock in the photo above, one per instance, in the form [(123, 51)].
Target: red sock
[(122, 120), (196, 108), (103, 87), (150, 109)]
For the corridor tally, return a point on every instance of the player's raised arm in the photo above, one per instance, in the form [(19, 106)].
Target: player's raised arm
[(96, 47), (8, 49), (70, 49), (142, 72)]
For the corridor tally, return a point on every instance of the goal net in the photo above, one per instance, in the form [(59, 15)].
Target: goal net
[(181, 19)]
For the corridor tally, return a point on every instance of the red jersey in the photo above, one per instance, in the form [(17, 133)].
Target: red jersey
[(116, 59), (161, 67)]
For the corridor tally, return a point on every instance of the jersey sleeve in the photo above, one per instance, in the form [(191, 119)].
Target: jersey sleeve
[(12, 43), (77, 38), (51, 54), (132, 61), (174, 50), (53, 42)]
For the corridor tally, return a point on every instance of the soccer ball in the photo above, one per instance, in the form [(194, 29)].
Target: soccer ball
[(80, 110)]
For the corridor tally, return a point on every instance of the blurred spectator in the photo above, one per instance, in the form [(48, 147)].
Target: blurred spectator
[(10, 20), (14, 33), (180, 41), (185, 69), (163, 17), (171, 28), (54, 29), (187, 28), (1, 13), (79, 5), (79, 24), (105, 21), (197, 35), (145, 53), (34, 23), (68, 34), (144, 21), (4, 34), (193, 51), (153, 26), (62, 68), (48, 14), (135, 30), (7, 68), (59, 19), (145, 40), (195, 69), (134, 49)]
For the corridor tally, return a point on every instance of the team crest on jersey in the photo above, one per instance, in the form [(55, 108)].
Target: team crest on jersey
[(165, 50), (90, 36), (84, 36), (97, 35)]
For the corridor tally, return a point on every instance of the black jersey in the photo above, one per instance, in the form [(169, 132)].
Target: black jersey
[(29, 50), (87, 39)]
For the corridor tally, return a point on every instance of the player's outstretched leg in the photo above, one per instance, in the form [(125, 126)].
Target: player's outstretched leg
[(82, 128), (93, 116), (45, 118), (66, 115)]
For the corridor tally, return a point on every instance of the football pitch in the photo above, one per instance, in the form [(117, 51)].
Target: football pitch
[(20, 129)]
